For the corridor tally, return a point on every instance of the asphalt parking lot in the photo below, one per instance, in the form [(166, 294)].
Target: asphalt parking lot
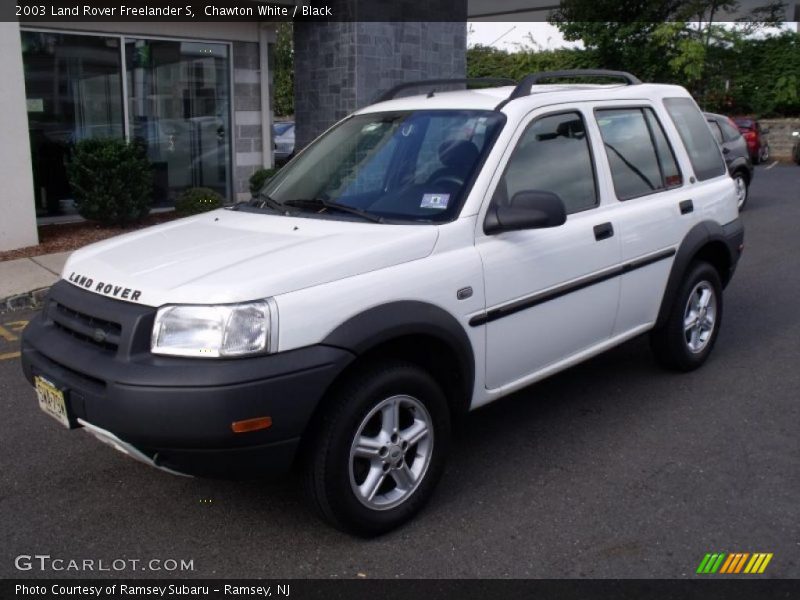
[(614, 468)]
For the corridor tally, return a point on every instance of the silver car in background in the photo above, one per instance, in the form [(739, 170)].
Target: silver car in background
[(283, 138)]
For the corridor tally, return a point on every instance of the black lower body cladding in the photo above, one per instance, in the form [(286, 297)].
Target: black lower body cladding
[(177, 411), (734, 238)]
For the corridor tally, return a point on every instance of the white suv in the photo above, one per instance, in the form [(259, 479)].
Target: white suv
[(425, 256)]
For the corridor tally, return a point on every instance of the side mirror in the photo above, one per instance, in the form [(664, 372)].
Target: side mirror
[(528, 210)]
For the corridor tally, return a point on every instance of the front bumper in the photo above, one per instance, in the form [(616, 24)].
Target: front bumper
[(175, 412)]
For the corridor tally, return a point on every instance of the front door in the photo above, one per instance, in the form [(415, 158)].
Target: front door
[(550, 293)]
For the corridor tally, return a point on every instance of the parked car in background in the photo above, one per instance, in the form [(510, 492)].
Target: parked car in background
[(796, 147), (755, 136), (736, 153), (283, 138)]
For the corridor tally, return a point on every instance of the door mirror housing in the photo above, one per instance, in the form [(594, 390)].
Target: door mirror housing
[(532, 209)]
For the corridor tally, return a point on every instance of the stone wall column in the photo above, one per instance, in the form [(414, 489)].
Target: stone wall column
[(340, 67)]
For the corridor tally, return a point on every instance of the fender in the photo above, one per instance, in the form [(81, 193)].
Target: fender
[(705, 232), (394, 320), (740, 164)]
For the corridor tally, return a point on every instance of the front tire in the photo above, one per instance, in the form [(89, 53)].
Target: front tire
[(379, 450), (686, 340)]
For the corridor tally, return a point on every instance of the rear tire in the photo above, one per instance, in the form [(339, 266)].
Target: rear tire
[(379, 449), (685, 341), (742, 189)]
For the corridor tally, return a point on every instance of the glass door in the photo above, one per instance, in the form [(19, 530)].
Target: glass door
[(179, 106), (73, 91)]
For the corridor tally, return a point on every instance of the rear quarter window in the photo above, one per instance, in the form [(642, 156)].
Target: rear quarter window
[(696, 136)]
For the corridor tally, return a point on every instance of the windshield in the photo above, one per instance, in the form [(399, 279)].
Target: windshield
[(407, 166), (281, 128)]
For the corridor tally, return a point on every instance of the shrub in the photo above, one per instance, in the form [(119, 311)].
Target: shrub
[(259, 178), (111, 180), (197, 200)]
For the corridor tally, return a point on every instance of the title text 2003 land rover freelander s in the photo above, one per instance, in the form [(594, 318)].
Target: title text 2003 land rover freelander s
[(425, 256)]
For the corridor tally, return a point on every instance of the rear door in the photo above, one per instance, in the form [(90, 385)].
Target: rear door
[(668, 171), (657, 210)]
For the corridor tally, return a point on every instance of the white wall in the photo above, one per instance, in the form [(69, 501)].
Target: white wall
[(17, 211)]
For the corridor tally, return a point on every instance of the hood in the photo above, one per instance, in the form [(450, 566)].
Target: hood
[(229, 256)]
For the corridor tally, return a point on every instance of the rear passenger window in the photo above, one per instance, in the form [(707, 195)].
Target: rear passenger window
[(639, 155), (703, 152), (552, 156)]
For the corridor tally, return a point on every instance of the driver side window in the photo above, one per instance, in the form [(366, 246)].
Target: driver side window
[(552, 155)]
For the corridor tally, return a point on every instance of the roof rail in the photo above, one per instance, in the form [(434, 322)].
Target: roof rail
[(391, 93), (525, 86)]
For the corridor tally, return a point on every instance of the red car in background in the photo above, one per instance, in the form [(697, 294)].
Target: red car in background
[(755, 136)]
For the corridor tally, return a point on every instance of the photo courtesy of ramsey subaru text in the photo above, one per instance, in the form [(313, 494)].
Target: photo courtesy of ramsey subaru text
[(425, 256)]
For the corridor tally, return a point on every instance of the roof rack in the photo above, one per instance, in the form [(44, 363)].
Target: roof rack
[(391, 93), (524, 88)]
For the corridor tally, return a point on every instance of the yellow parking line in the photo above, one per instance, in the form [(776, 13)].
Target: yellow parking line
[(9, 355)]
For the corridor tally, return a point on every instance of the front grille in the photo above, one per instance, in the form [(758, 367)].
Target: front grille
[(93, 330)]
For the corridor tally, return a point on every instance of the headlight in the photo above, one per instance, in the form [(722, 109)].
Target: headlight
[(216, 331)]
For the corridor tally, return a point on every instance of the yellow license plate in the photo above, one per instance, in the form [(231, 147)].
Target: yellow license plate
[(51, 400)]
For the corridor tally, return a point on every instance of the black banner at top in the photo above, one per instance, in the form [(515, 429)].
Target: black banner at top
[(32, 12)]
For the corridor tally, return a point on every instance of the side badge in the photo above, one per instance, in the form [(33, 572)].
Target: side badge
[(464, 293)]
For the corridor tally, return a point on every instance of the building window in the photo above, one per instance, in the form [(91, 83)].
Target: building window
[(73, 86), (178, 104)]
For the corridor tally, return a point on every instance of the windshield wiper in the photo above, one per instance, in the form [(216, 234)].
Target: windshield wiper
[(265, 200), (311, 202)]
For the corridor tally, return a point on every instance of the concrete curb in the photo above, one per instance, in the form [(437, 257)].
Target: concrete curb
[(32, 299), (25, 281)]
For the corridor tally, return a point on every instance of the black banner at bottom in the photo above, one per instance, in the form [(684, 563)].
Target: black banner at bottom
[(406, 589)]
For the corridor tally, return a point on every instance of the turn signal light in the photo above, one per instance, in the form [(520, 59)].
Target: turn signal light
[(251, 424)]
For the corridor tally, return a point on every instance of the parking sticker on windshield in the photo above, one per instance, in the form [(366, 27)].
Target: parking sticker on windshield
[(437, 201)]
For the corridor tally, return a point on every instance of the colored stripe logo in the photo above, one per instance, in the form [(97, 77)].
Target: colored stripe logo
[(734, 563)]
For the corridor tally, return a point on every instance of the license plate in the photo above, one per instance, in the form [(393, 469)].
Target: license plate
[(51, 400)]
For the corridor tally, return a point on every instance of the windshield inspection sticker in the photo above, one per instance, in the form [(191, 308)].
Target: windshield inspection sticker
[(437, 201)]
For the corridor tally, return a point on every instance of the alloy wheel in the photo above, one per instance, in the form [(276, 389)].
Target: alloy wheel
[(391, 452), (700, 317), (741, 190)]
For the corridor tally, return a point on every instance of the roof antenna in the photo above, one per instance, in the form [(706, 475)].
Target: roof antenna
[(430, 94)]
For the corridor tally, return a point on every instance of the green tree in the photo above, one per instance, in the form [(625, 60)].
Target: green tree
[(660, 41), (485, 61), (283, 70)]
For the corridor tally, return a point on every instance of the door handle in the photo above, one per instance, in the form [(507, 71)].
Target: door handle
[(603, 231), (686, 206)]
